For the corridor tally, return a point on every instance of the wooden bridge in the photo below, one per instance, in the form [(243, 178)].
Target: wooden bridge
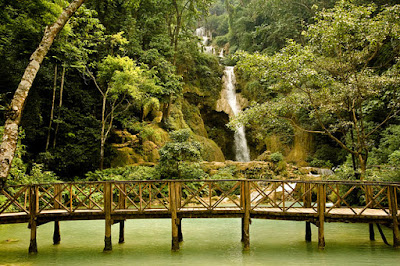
[(314, 202)]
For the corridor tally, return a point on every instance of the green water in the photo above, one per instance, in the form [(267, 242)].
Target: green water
[(206, 242)]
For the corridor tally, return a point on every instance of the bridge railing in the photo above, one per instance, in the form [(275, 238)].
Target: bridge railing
[(141, 195), (358, 198)]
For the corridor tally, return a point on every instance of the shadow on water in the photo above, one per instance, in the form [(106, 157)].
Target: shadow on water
[(206, 241)]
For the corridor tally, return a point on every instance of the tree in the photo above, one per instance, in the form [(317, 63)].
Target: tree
[(10, 136), (180, 14), (78, 42), (332, 86), (180, 150), (122, 82)]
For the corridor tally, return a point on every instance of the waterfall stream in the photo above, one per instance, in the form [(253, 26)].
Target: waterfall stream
[(206, 38), (241, 149), (242, 153)]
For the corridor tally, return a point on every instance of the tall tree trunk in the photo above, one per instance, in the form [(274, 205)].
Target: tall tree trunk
[(13, 117), (363, 165), (103, 130), (52, 108), (177, 29), (59, 106)]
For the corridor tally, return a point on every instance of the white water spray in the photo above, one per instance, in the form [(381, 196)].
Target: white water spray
[(241, 148), (206, 38)]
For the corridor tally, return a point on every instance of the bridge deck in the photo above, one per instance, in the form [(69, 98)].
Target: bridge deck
[(300, 214)]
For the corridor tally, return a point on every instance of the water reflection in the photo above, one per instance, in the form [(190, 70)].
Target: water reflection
[(206, 241)]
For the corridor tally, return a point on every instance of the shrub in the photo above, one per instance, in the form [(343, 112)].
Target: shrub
[(276, 157), (394, 158), (124, 173), (176, 153)]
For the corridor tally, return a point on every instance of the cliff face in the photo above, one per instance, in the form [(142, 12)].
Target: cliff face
[(195, 109), (294, 144)]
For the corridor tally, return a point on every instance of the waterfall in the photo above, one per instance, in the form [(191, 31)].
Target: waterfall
[(221, 53), (242, 153), (206, 38), (241, 148)]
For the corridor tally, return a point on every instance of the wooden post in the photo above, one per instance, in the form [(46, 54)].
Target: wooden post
[(179, 203), (121, 232), (394, 211), (369, 198), (57, 199), (180, 235), (307, 204), (33, 207), (174, 215), (246, 215), (242, 205), (122, 206), (107, 213), (321, 217)]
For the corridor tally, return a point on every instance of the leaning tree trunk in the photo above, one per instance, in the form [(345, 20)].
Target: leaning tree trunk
[(10, 135)]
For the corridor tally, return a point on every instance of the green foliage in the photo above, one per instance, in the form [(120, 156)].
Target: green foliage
[(180, 150), (389, 143), (19, 174), (124, 173), (225, 173), (128, 46), (331, 85), (259, 25), (80, 40), (191, 170), (394, 158), (314, 162), (276, 157)]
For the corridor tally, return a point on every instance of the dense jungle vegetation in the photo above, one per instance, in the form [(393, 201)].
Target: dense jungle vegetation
[(125, 92)]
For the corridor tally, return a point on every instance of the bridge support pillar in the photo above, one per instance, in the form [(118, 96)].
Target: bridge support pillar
[(369, 198), (107, 212), (394, 212), (33, 242), (371, 232), (242, 239), (307, 204), (57, 201), (33, 208), (321, 215), (308, 232), (246, 216), (121, 232), (174, 216), (180, 235), (56, 233)]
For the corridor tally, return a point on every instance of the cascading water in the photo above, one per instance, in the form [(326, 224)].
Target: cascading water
[(241, 148), (242, 153), (206, 38)]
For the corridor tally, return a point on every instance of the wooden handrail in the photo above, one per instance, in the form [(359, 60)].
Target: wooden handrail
[(150, 194)]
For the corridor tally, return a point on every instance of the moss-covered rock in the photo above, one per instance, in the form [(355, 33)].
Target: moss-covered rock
[(157, 135), (150, 151), (176, 119), (215, 124), (193, 119), (210, 150), (125, 156)]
